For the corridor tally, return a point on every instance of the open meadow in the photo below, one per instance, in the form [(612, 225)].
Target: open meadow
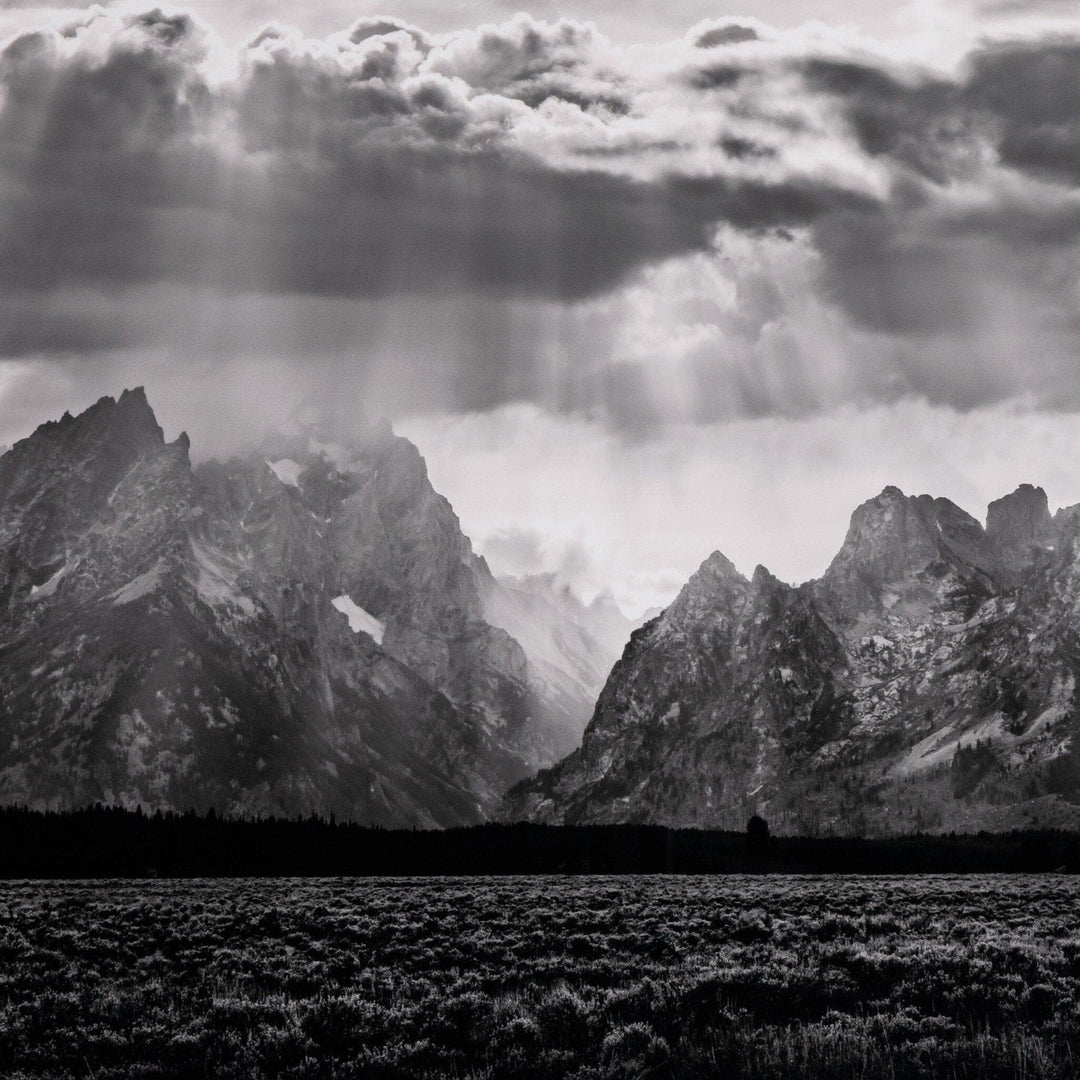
[(586, 977)]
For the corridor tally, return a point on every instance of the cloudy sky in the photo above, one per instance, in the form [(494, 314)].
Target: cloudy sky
[(641, 280)]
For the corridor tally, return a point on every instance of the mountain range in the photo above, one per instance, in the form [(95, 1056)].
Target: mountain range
[(305, 628), (926, 682)]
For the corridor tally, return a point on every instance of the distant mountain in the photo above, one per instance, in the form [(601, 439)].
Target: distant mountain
[(298, 629), (571, 646), (926, 681)]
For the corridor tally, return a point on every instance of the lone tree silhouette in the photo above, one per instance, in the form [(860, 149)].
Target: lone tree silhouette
[(757, 837)]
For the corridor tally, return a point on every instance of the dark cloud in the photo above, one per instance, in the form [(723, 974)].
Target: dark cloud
[(350, 174), (914, 123), (28, 327), (740, 148), (1033, 90), (921, 263), (1019, 98), (718, 76), (425, 221), (532, 163), (725, 34), (755, 206), (892, 281)]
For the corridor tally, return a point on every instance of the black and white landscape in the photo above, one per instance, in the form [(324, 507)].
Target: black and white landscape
[(374, 387), (306, 628)]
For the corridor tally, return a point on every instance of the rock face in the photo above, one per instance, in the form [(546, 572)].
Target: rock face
[(297, 630), (1019, 525), (926, 681)]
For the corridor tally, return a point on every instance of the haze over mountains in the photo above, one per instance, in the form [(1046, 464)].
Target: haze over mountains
[(307, 628)]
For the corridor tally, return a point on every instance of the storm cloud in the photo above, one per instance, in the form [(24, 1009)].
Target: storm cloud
[(374, 163), (535, 178)]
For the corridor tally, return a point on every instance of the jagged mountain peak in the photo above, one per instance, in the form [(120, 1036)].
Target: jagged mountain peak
[(134, 397), (128, 417), (131, 411), (61, 479), (895, 524), (907, 542), (368, 464), (1026, 492), (1018, 522), (715, 589), (763, 580), (604, 601), (717, 569)]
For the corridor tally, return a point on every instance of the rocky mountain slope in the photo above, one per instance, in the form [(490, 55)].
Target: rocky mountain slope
[(926, 681), (300, 629)]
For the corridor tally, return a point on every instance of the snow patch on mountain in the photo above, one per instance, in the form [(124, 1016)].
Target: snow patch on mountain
[(359, 619), (941, 746), (47, 588), (287, 471), (139, 587)]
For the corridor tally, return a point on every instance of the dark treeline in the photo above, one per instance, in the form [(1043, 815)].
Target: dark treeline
[(115, 842)]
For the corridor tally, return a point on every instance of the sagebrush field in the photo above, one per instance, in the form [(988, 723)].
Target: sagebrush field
[(583, 977)]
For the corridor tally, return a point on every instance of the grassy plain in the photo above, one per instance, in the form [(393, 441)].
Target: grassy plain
[(585, 977)]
